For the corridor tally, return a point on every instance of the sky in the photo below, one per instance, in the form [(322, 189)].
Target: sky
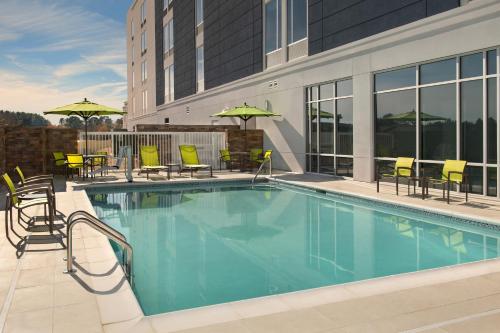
[(57, 52)]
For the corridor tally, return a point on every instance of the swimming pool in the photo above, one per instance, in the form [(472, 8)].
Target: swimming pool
[(197, 245)]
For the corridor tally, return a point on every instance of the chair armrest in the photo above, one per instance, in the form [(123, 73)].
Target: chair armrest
[(34, 188), (28, 191), (456, 173), (39, 177), (404, 168)]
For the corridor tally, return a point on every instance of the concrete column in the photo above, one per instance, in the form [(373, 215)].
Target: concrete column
[(363, 119)]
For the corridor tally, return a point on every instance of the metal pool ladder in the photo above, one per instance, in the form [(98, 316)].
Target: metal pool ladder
[(93, 222), (261, 167)]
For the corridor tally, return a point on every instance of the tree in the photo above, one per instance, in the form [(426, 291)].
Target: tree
[(23, 119)]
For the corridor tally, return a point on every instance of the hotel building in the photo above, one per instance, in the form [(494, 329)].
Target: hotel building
[(357, 82)]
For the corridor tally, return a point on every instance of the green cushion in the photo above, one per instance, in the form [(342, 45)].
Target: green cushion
[(11, 188)]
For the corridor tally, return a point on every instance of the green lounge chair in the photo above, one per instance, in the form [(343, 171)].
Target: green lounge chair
[(190, 160), (59, 161), (150, 161), (453, 172), (402, 169), (75, 162), (22, 198), (225, 157)]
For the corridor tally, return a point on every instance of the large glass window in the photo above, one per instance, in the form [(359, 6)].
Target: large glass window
[(296, 20), (199, 12), (395, 126), (168, 36), (144, 42), (273, 25), (471, 106), (144, 70), (444, 116), (169, 84), (200, 69), (492, 119), (329, 128), (438, 122)]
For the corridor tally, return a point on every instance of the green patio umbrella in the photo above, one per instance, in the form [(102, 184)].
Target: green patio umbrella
[(245, 113), (85, 110)]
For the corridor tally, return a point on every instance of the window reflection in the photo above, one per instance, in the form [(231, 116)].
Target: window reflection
[(326, 165), (314, 127), (471, 65), (472, 120), (396, 123), (344, 126), (438, 71), (399, 78), (326, 91), (491, 58), (438, 123), (492, 120), (344, 88), (492, 181), (326, 124)]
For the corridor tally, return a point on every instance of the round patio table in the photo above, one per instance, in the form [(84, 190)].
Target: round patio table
[(91, 158)]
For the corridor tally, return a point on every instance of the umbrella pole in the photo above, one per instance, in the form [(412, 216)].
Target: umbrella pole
[(86, 141)]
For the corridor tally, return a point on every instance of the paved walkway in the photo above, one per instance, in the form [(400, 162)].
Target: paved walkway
[(37, 297)]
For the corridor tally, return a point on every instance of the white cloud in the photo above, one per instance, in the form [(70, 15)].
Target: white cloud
[(94, 43)]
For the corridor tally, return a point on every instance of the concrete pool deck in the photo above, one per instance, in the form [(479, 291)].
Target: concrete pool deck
[(37, 297)]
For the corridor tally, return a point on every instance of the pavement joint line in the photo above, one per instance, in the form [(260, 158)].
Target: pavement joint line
[(10, 294), (452, 321)]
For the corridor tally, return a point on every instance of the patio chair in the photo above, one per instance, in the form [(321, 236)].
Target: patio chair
[(453, 172), (118, 162), (20, 199), (59, 161), (402, 169), (225, 157), (190, 160), (75, 162), (254, 156), (42, 181), (150, 161), (99, 162)]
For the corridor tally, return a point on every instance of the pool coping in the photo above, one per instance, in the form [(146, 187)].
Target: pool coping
[(296, 300)]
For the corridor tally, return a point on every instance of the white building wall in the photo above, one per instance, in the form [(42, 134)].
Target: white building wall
[(469, 28)]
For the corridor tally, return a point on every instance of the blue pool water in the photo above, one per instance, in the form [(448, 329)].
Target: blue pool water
[(208, 244)]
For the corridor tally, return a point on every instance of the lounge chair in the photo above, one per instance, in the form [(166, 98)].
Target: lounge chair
[(59, 161), (190, 160), (150, 161), (19, 198), (453, 172), (225, 157), (266, 157), (75, 162), (402, 169)]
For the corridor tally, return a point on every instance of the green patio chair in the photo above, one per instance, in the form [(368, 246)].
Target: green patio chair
[(190, 160), (453, 172), (59, 161), (22, 198), (75, 162), (150, 161), (225, 157), (404, 168), (40, 180), (255, 154)]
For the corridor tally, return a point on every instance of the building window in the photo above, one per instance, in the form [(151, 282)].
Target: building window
[(169, 83), (133, 79), (143, 12), (272, 10), (132, 51), (144, 101), (165, 4), (167, 120), (168, 36), (199, 12), (200, 69), (144, 71), (296, 20), (133, 106), (329, 128), (440, 110), (144, 42), (132, 29)]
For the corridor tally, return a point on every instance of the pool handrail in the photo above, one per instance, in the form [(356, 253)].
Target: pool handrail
[(93, 222)]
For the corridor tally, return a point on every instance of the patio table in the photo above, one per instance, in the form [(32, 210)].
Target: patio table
[(92, 158)]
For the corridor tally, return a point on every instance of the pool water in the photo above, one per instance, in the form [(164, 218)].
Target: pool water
[(201, 245)]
